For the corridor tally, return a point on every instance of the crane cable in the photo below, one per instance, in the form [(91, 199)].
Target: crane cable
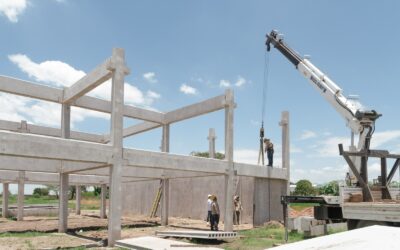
[(263, 105)]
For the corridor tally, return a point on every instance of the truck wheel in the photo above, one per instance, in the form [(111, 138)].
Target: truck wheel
[(352, 224), (367, 223)]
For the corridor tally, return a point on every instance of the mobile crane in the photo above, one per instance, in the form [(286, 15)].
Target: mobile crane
[(361, 121)]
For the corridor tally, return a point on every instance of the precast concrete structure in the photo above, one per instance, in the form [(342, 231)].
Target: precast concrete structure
[(37, 154)]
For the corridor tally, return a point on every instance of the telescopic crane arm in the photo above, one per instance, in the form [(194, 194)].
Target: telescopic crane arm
[(359, 120)]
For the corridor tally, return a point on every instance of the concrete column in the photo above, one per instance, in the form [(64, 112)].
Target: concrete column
[(103, 202), (211, 142), (5, 200), (117, 103), (21, 192), (165, 202), (63, 185), (78, 199), (63, 204), (65, 121), (165, 182), (284, 123), (229, 176)]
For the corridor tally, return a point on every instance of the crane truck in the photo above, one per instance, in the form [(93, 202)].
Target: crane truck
[(359, 203)]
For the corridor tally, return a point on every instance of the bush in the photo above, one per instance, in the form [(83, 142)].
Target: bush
[(304, 187), (332, 188), (37, 192)]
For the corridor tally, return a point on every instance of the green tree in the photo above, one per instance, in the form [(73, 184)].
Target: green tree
[(304, 187), (53, 188), (331, 188), (218, 155), (40, 191)]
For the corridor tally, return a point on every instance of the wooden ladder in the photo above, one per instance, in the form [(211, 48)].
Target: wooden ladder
[(156, 202)]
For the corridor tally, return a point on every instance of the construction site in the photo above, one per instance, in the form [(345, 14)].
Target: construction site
[(67, 184)]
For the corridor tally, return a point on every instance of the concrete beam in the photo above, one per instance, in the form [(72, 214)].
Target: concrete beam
[(250, 170), (143, 114), (80, 168), (5, 200), (46, 93), (147, 173), (36, 146), (24, 127), (89, 82), (142, 158), (53, 178), (140, 128), (197, 109), (29, 89), (136, 129)]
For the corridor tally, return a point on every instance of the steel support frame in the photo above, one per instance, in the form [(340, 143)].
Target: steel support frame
[(362, 177)]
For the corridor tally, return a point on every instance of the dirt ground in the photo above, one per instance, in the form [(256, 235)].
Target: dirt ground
[(309, 211), (89, 229)]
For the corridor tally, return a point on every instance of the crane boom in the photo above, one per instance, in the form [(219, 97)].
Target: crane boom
[(359, 120)]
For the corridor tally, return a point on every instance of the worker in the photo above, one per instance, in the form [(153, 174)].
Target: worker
[(269, 148), (237, 210), (214, 214), (348, 179), (209, 201)]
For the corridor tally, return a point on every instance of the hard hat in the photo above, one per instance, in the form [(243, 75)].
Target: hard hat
[(209, 195)]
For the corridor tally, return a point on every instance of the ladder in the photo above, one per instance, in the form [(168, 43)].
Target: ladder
[(156, 202)]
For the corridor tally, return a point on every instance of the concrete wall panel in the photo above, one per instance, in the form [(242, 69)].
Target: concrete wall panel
[(188, 197)]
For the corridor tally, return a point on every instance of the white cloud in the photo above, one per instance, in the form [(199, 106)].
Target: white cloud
[(224, 84), (188, 90), (307, 134), (295, 149), (240, 81), (150, 77), (60, 74), (152, 94), (49, 72), (319, 175), (12, 8), (246, 156), (328, 147), (380, 138)]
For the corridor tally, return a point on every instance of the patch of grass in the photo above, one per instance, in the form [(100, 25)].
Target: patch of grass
[(261, 238), (334, 231), (301, 206), (24, 235), (29, 244), (31, 200)]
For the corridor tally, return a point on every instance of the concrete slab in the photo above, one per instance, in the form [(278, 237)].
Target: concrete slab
[(374, 237), (149, 243), (198, 234)]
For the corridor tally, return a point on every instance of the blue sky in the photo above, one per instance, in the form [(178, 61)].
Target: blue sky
[(182, 52)]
